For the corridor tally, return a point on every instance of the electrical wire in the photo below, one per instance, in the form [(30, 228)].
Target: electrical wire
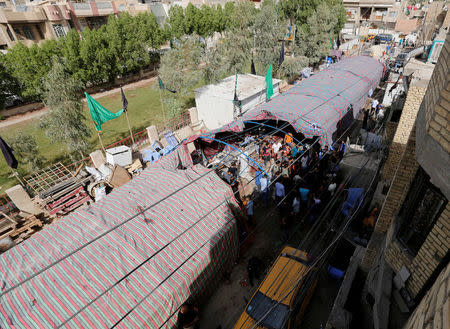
[(315, 261), (329, 151), (126, 221)]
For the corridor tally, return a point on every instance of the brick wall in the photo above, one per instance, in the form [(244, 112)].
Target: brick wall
[(437, 100), (432, 252), (433, 312), (405, 125), (404, 174)]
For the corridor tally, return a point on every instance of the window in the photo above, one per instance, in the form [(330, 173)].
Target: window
[(3, 4), (11, 36), (392, 13), (39, 30), (59, 30), (422, 207), (18, 33), (28, 32)]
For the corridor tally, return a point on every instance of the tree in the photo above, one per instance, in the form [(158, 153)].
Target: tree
[(298, 11), (149, 31), (126, 47), (29, 65), (179, 67), (65, 122), (228, 11), (192, 19), (97, 58), (292, 67), (8, 84), (268, 36), (70, 48), (26, 149), (176, 21), (314, 39)]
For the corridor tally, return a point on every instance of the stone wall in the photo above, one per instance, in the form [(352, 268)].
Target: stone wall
[(433, 312)]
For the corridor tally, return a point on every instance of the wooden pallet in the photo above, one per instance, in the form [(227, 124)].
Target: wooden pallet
[(68, 202)]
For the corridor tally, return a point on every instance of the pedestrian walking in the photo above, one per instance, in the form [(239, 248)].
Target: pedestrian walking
[(188, 317), (279, 192)]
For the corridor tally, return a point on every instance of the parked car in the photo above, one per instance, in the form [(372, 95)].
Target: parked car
[(400, 60), (383, 38), (13, 100), (274, 305)]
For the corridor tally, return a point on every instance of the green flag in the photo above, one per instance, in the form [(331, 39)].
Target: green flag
[(99, 114), (269, 84)]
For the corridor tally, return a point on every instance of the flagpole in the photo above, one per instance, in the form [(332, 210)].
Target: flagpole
[(16, 174), (129, 127), (162, 107), (100, 139)]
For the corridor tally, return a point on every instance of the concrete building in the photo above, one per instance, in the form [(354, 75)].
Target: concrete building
[(371, 14), (411, 240), (33, 22), (215, 101)]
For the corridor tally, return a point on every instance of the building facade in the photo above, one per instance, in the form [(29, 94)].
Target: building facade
[(367, 14), (32, 23), (412, 233)]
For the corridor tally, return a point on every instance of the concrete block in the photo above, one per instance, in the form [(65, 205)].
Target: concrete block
[(98, 158), (183, 133), (194, 115), (22, 200), (152, 134)]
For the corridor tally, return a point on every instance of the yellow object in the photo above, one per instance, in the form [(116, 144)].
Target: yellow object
[(280, 296), (288, 138)]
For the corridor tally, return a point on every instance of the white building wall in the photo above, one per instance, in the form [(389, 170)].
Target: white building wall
[(217, 110), (213, 111)]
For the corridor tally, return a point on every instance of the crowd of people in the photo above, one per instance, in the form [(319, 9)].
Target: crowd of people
[(298, 178)]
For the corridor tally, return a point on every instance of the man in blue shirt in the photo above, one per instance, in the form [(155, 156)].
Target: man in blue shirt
[(279, 192)]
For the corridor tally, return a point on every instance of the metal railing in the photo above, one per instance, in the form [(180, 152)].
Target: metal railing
[(178, 122), (140, 139), (7, 206)]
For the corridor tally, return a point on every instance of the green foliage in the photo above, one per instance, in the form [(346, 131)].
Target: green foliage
[(179, 68), (70, 48), (314, 38), (175, 21), (203, 21), (267, 36), (172, 106), (126, 47), (26, 149), (117, 48), (96, 56), (298, 11), (8, 84), (29, 65), (148, 30), (292, 66), (65, 122)]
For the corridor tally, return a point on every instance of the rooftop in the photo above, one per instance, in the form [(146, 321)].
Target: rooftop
[(247, 85)]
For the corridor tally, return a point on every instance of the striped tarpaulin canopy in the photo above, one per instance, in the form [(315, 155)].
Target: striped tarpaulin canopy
[(129, 260), (319, 105)]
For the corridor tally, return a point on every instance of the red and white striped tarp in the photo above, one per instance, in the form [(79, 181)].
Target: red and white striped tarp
[(128, 261), (319, 105)]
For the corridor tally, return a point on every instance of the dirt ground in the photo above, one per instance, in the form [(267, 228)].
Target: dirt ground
[(225, 306)]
